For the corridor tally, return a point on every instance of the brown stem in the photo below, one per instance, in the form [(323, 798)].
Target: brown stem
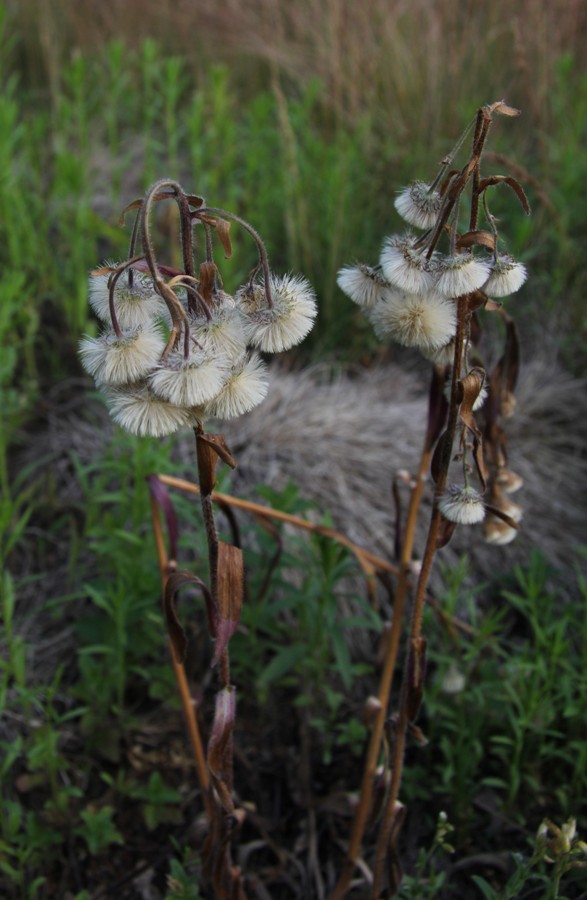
[(188, 704), (385, 682), (212, 211), (417, 614)]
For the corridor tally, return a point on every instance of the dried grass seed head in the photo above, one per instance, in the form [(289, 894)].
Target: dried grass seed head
[(507, 276), (364, 285), (122, 360), (419, 205), (425, 321), (137, 410), (461, 504), (273, 329), (244, 388), (404, 267), (461, 274)]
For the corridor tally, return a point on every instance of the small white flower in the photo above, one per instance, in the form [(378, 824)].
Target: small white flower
[(507, 276), (462, 504), (461, 274), (288, 321), (404, 267), (245, 387), (426, 321), (122, 360), (189, 382), (419, 205), (363, 284), (134, 305), (136, 409)]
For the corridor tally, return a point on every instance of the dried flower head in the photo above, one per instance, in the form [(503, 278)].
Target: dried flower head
[(509, 481), (122, 360), (136, 409), (364, 285), (189, 382), (462, 504), (426, 321), (498, 532), (287, 322), (244, 388), (419, 205), (222, 334), (404, 267), (507, 276), (134, 304), (461, 274)]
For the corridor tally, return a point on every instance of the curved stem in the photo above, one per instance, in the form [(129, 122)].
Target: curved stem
[(112, 282), (263, 258)]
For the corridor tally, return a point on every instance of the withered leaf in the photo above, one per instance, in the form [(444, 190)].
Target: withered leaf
[(446, 531), (229, 595), (476, 238), (174, 583)]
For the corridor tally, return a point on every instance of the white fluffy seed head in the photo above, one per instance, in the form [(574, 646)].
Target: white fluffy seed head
[(425, 321), (461, 274), (461, 504), (244, 388), (134, 304), (418, 205), (507, 276), (498, 532), (221, 335), (137, 410), (363, 284), (124, 360), (404, 267), (443, 356), (288, 321), (189, 382)]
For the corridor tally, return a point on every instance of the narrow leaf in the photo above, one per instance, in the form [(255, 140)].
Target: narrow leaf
[(230, 595)]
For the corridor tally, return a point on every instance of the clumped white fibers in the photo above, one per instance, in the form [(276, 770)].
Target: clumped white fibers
[(134, 304), (462, 504), (288, 321), (222, 334), (404, 267), (189, 382), (136, 409), (122, 360), (426, 321), (443, 356), (244, 388), (364, 285), (498, 532), (418, 205), (461, 274), (507, 276)]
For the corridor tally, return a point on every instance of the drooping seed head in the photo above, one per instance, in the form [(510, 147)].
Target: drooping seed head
[(461, 274), (137, 410), (425, 321), (507, 276), (363, 284), (461, 504), (418, 205), (405, 267), (244, 388), (275, 328), (122, 360)]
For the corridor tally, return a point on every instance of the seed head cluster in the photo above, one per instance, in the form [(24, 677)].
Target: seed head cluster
[(176, 350)]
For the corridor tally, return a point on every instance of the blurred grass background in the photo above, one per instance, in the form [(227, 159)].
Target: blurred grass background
[(304, 118)]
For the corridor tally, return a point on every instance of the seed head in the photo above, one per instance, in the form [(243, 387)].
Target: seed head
[(404, 267), (426, 321), (462, 504), (507, 276), (245, 387), (419, 205), (134, 304), (461, 274), (276, 328), (122, 360), (136, 409), (363, 284), (189, 382)]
